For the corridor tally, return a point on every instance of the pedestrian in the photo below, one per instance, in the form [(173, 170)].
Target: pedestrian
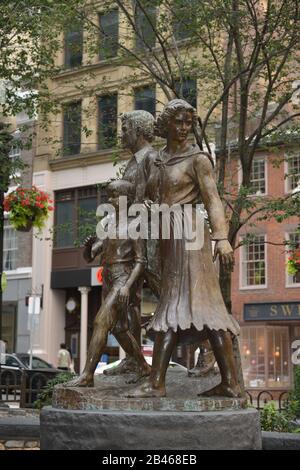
[(63, 358)]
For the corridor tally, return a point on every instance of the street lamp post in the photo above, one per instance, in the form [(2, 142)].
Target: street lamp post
[(5, 144)]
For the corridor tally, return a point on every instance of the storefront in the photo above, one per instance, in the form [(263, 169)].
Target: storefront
[(267, 334)]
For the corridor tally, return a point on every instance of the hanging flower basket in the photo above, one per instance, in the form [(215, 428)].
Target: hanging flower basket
[(28, 207), (293, 263), (27, 227)]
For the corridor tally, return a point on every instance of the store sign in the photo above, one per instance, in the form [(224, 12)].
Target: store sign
[(96, 276), (272, 311)]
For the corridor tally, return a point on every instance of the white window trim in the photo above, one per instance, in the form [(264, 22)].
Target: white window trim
[(240, 175), (19, 273), (259, 286), (287, 189), (288, 277), (15, 249)]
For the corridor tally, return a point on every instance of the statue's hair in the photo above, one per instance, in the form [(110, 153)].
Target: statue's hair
[(142, 122), (122, 187), (169, 111)]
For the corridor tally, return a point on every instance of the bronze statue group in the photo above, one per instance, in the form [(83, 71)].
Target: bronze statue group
[(185, 282)]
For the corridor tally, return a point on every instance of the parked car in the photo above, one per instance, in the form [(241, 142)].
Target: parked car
[(13, 364), (22, 361)]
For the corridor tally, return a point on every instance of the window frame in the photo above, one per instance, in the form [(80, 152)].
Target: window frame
[(99, 97), (75, 196), (176, 23), (287, 178), (102, 37), (184, 81), (138, 45), (9, 227), (288, 277), (144, 87), (67, 50), (240, 177), (64, 110), (243, 263)]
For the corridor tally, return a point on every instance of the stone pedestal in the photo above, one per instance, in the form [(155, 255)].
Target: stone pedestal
[(100, 419), (148, 430)]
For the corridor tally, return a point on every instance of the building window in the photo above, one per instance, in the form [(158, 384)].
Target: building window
[(73, 47), (253, 262), (144, 98), (294, 243), (15, 152), (72, 128), (145, 24), (293, 172), (10, 247), (109, 34), (64, 219), (265, 354), (75, 215), (15, 156), (183, 17), (187, 89), (258, 177), (108, 112)]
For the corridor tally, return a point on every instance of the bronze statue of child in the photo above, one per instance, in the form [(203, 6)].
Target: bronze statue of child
[(123, 260)]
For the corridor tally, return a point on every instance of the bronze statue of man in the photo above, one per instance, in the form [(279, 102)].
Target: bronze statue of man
[(137, 136), (191, 304)]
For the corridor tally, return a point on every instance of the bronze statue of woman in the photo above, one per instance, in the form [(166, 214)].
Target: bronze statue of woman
[(191, 303)]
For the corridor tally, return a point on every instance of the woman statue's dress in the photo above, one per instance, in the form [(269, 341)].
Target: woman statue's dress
[(190, 291)]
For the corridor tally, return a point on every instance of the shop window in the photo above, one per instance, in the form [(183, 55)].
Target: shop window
[(72, 128), (144, 98), (265, 352), (187, 89), (108, 111), (258, 176), (73, 47), (10, 247), (253, 262), (145, 23), (109, 34)]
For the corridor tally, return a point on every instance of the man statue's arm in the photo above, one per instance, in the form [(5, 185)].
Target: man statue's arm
[(138, 269), (92, 248)]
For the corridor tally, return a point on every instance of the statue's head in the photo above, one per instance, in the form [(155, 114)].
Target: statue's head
[(173, 109), (137, 126), (118, 188)]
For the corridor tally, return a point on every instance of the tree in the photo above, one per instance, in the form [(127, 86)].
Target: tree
[(244, 55)]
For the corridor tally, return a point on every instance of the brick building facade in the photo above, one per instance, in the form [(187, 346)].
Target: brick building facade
[(265, 298)]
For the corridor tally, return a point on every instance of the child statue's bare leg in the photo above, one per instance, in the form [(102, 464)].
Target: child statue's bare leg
[(154, 385), (104, 321), (129, 364), (133, 350), (222, 347)]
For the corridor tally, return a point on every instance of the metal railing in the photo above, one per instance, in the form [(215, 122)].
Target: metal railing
[(260, 399), (23, 385)]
